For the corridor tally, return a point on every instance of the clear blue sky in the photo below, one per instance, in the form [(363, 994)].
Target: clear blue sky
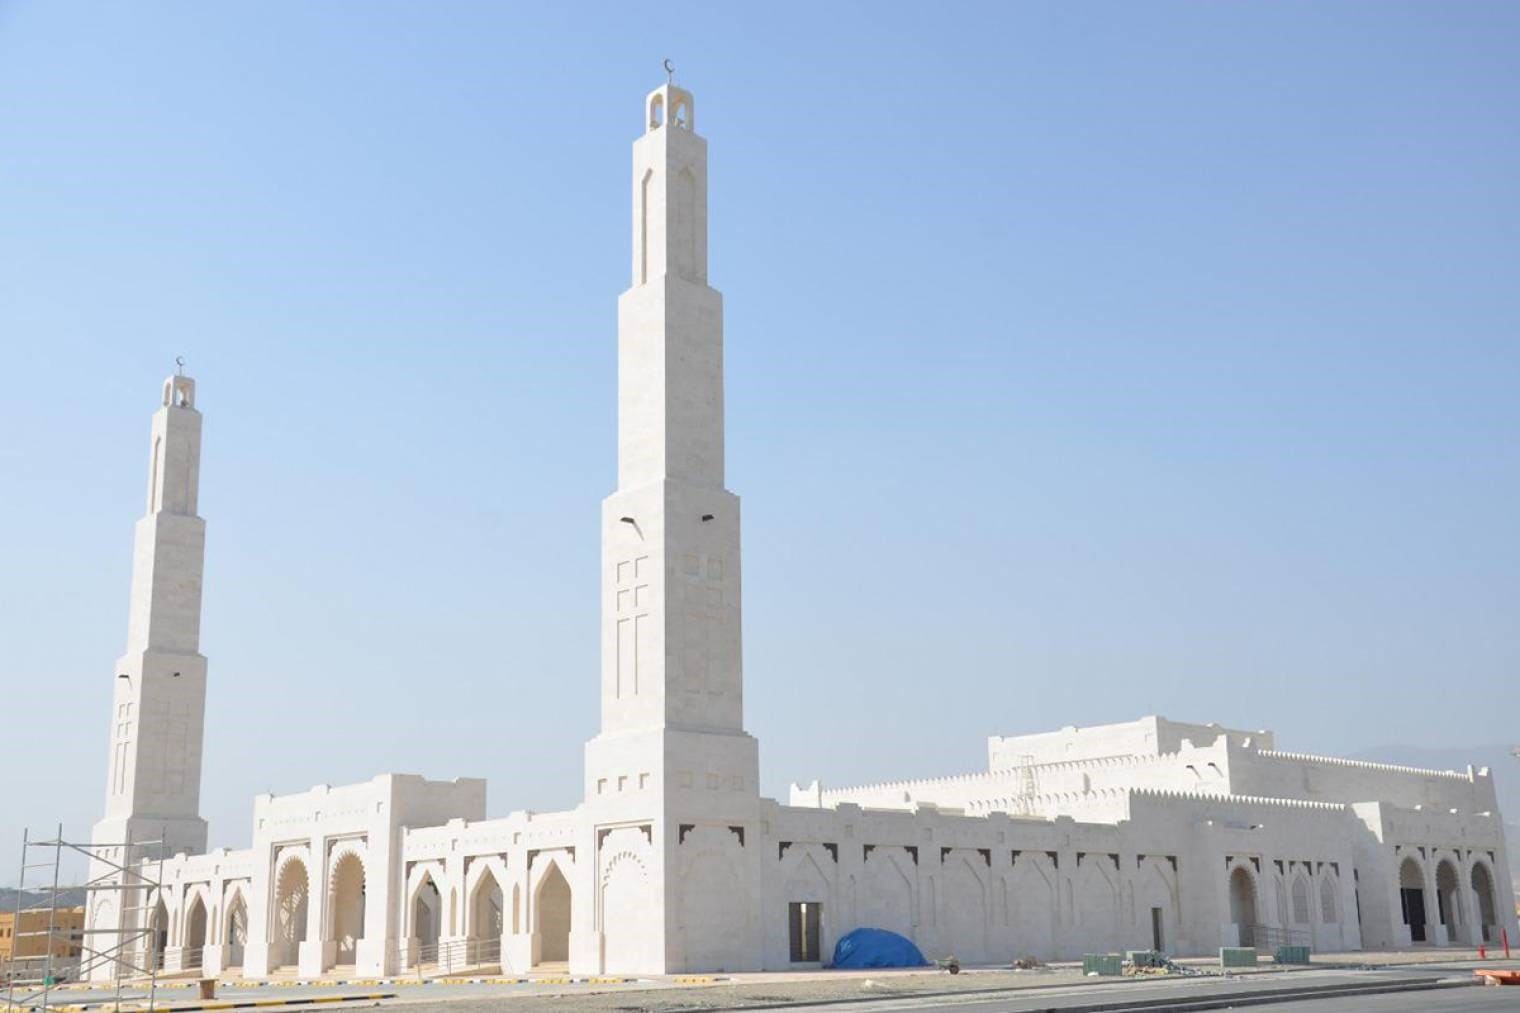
[(1085, 361)]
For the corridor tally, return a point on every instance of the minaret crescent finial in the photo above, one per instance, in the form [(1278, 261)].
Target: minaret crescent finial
[(179, 360), (670, 71)]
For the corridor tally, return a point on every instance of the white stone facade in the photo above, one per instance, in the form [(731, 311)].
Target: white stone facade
[(1146, 834)]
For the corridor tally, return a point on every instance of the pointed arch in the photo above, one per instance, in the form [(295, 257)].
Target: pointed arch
[(485, 911), (197, 919), (553, 913), (234, 925), (424, 911), (158, 936)]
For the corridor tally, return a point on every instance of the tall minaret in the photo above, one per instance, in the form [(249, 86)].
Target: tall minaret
[(672, 745), (153, 781)]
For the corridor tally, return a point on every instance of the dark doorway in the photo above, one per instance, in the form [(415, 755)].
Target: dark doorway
[(806, 920), (1158, 936), (1413, 900)]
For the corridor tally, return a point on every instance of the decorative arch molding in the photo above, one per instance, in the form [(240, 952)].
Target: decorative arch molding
[(1101, 865), (197, 892), (1253, 879), (624, 859), (1403, 856), (1439, 855), (893, 864), (1249, 866), (476, 867), (1164, 870), (341, 850), (419, 874), (561, 858), (801, 856), (168, 897), (287, 856), (233, 892), (1476, 862)]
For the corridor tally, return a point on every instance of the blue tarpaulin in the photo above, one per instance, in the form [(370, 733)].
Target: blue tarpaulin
[(876, 948)]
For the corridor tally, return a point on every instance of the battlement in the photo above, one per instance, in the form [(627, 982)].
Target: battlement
[(1385, 768)]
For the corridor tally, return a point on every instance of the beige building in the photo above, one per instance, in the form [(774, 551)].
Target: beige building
[(27, 936)]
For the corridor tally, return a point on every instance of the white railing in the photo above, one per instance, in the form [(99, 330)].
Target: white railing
[(431, 959)]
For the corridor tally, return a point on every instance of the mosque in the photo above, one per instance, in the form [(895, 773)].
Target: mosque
[(1151, 834)]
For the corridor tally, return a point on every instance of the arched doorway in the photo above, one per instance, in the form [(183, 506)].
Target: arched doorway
[(292, 893), (158, 939), (427, 911), (195, 933), (1243, 905), (486, 921), (1483, 886), (1449, 906), (348, 907), (1412, 898), (235, 935), (551, 917)]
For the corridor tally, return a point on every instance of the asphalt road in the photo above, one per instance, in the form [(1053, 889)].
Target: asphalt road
[(1476, 1000), (1171, 994), (1468, 998)]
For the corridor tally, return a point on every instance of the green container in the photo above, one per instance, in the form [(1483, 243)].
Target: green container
[(1291, 954), (1237, 956), (1105, 964)]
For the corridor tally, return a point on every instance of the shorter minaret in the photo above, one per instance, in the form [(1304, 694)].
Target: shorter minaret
[(153, 781)]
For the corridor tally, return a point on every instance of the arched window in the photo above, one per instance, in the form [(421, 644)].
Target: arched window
[(656, 112)]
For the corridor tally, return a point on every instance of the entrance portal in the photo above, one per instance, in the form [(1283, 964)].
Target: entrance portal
[(1449, 904), (290, 911), (1412, 899), (348, 907), (1483, 886)]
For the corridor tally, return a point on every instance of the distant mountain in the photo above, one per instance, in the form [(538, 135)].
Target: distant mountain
[(68, 896), (1498, 759)]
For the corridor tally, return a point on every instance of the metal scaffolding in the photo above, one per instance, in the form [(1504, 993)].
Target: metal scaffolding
[(137, 949)]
